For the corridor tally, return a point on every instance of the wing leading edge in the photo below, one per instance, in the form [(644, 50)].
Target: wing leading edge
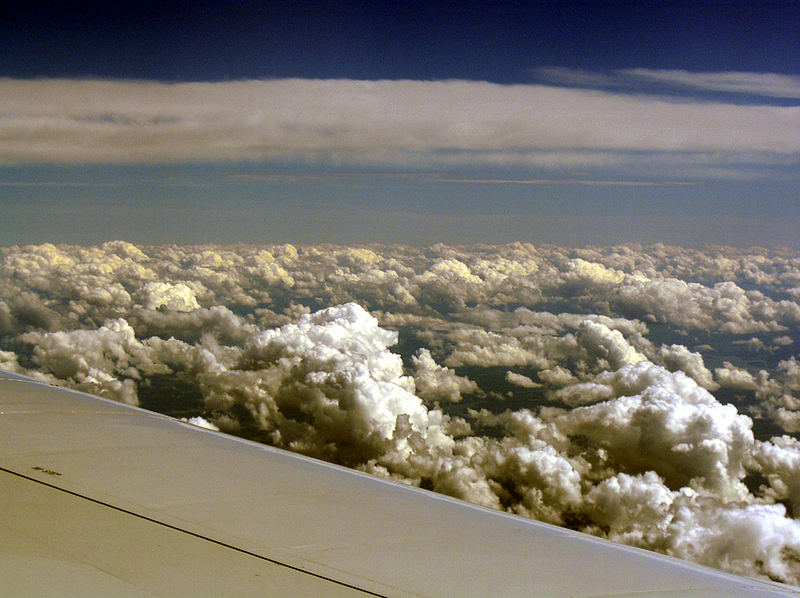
[(99, 498)]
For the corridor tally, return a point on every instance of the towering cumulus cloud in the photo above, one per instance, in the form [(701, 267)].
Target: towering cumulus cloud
[(650, 395), (325, 385)]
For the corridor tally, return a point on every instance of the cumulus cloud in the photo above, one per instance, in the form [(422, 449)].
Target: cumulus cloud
[(679, 358), (730, 376), (61, 120), (755, 539), (521, 380), (653, 409), (482, 348), (693, 305), (325, 385), (734, 535), (606, 345), (174, 297), (594, 273), (438, 383), (656, 418), (106, 361), (780, 463)]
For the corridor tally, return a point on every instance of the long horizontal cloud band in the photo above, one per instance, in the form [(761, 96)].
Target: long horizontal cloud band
[(62, 120)]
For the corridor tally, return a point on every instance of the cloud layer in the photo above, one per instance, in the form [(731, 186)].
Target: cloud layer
[(650, 395), (390, 122)]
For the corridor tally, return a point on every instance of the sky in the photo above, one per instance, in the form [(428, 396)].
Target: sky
[(564, 122)]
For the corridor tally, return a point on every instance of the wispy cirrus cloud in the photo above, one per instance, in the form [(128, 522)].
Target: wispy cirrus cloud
[(440, 178), (765, 85), (563, 181), (376, 122)]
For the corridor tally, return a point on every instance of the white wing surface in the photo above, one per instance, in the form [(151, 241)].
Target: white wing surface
[(102, 499)]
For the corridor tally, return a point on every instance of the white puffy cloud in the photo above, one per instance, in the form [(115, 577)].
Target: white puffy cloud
[(606, 345), (218, 321), (594, 273), (778, 396), (582, 393), (779, 460), (174, 297), (756, 539), (105, 361), (112, 346), (325, 385), (8, 362), (520, 380), (437, 383), (557, 376), (730, 376), (633, 509), (665, 422), (692, 305), (481, 348), (753, 344), (679, 358)]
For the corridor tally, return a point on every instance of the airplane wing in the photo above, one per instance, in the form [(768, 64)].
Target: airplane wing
[(101, 499)]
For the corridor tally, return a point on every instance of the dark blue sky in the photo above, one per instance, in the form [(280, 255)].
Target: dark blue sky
[(489, 41)]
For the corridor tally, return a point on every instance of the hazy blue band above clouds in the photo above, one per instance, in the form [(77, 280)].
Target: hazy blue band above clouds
[(392, 122)]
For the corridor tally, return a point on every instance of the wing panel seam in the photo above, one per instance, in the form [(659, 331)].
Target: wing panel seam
[(194, 534)]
